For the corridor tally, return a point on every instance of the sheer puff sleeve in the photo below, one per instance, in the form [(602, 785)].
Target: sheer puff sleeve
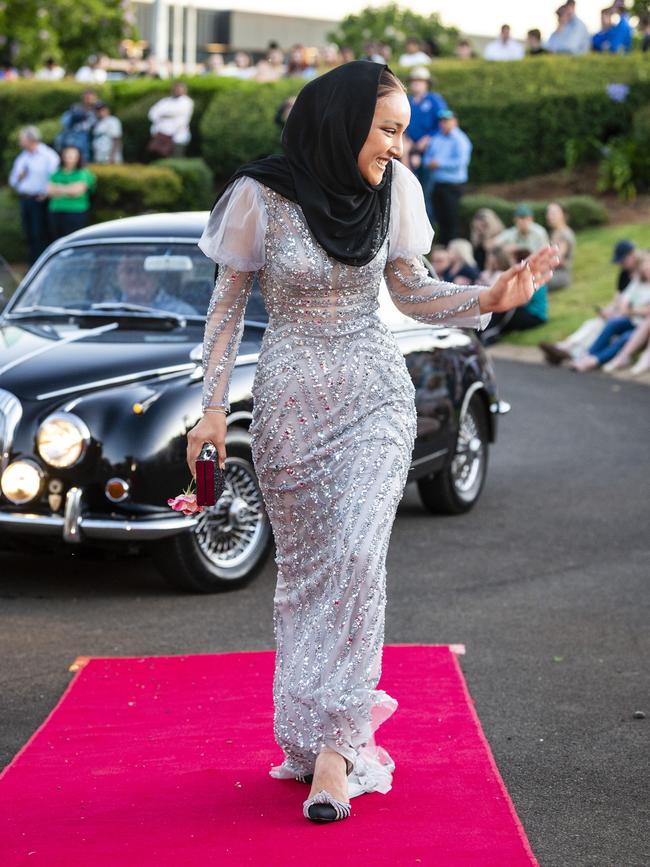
[(413, 290), (233, 238)]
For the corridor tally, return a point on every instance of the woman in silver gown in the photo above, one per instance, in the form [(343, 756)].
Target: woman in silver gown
[(333, 429)]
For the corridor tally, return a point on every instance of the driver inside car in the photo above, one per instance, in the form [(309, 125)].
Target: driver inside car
[(145, 288)]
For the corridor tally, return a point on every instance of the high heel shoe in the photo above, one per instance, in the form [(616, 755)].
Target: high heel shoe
[(324, 807)]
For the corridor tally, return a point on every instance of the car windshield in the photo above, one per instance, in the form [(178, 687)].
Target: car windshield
[(136, 278)]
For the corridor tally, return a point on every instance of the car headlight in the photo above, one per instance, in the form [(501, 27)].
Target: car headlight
[(22, 482), (62, 439)]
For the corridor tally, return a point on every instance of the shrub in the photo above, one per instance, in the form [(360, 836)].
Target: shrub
[(125, 190), (197, 182), (583, 211), (12, 241)]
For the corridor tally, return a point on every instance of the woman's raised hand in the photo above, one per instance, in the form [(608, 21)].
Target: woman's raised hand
[(211, 428), (516, 286)]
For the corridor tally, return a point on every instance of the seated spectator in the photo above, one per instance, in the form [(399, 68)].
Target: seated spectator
[(93, 72), (413, 53), (534, 43), (632, 307), (504, 48), (614, 36), (498, 261), (565, 240), (440, 260), (484, 228), (69, 191), (464, 50), (571, 36), (77, 125), (525, 232), (170, 122), (29, 177), (625, 256), (638, 342), (530, 315), (107, 136), (50, 71), (462, 268), (576, 344)]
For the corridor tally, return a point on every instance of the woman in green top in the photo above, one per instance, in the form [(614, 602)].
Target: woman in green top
[(69, 191)]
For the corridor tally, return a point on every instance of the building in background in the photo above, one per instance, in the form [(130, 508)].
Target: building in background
[(186, 32)]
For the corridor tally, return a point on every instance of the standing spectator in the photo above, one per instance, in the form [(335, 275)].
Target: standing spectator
[(425, 105), (565, 240), (28, 177), (69, 191), (347, 54), (644, 30), (534, 43), (448, 155), (8, 72), (214, 64), (93, 72), (525, 232), (107, 136), (464, 50), (298, 63), (283, 111), (484, 228), (77, 125), (170, 122), (625, 256), (613, 37), (413, 53), (530, 315), (571, 36), (371, 52), (51, 71), (504, 48)]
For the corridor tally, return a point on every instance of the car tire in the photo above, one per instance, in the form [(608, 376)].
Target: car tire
[(231, 541), (457, 487)]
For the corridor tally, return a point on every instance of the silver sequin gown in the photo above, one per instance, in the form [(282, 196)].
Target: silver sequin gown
[(333, 429)]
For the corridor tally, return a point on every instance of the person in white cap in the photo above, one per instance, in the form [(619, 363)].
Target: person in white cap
[(425, 105)]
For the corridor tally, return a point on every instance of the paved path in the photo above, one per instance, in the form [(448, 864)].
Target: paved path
[(545, 582)]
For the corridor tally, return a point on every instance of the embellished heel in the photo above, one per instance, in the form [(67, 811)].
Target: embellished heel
[(323, 807)]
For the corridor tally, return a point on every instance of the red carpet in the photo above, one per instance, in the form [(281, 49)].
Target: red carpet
[(163, 762)]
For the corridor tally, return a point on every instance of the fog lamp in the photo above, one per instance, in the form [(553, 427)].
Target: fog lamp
[(116, 490)]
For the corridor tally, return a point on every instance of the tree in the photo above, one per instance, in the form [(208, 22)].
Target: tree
[(67, 30), (393, 25)]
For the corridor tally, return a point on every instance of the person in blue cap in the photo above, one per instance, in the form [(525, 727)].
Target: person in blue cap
[(448, 156), (625, 256)]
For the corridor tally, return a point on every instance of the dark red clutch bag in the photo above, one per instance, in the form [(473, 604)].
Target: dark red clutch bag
[(210, 481)]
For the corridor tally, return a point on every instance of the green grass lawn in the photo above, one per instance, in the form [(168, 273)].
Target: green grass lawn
[(594, 282)]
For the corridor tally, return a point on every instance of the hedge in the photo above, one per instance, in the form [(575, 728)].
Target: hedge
[(519, 115), (197, 182), (583, 211)]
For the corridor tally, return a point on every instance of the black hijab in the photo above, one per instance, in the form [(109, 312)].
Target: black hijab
[(322, 138)]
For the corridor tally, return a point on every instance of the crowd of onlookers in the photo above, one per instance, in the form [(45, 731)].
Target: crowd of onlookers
[(571, 36), (54, 185)]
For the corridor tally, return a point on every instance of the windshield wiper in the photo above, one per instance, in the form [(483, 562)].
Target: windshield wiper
[(110, 306), (44, 310)]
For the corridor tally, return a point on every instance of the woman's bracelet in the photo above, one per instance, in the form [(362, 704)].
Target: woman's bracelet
[(214, 409)]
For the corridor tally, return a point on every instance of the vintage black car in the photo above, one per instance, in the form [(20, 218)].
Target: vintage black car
[(100, 380)]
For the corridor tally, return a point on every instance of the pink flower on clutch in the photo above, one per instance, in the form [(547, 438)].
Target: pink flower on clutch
[(185, 503)]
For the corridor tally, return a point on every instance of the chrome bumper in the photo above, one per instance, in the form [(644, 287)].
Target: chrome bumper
[(74, 527)]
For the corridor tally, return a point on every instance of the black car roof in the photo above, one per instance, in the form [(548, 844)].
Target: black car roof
[(184, 224)]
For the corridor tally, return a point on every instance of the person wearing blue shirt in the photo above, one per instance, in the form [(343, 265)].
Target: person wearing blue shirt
[(448, 155), (612, 37), (425, 105)]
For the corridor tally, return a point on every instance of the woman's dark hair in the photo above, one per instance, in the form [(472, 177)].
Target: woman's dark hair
[(388, 83), (80, 158)]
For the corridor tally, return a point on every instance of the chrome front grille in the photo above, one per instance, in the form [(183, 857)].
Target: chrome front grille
[(10, 414)]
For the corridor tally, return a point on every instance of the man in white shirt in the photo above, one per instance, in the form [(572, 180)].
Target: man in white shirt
[(414, 56), (571, 36), (51, 71), (29, 177), (171, 116), (504, 48)]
